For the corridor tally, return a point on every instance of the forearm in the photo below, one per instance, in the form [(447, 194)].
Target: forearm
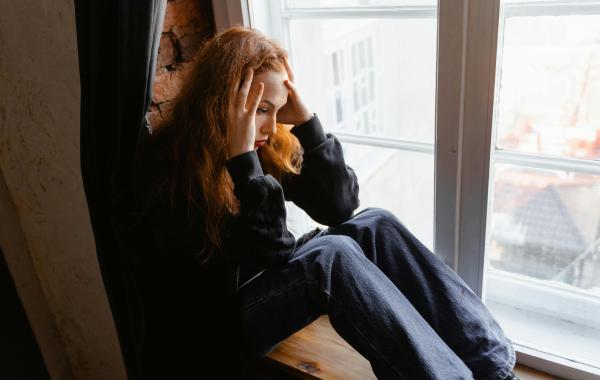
[(261, 226), (327, 189)]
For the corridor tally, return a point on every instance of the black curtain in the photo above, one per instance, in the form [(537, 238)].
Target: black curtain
[(20, 356), (117, 42)]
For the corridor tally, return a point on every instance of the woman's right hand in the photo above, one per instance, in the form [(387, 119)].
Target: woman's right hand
[(241, 127)]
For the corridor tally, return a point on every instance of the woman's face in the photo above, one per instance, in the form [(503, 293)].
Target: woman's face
[(274, 97)]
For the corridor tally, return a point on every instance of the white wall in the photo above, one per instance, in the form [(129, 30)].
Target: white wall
[(44, 225)]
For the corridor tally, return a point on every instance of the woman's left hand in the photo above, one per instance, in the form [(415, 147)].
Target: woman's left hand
[(294, 112)]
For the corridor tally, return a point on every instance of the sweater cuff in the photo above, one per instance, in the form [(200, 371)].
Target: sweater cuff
[(310, 133), (243, 168)]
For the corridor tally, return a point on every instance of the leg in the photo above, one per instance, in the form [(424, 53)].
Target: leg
[(331, 274), (441, 297)]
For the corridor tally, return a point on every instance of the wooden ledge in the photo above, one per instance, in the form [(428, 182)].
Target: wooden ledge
[(318, 352)]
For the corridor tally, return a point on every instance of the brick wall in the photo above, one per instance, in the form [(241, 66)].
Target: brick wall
[(187, 24)]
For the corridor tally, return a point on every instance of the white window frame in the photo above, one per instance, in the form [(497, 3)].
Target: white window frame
[(466, 71)]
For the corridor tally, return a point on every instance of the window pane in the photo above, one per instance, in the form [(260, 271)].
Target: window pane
[(550, 86), (356, 3), (546, 225), (543, 273), (543, 258), (409, 195), (397, 78), (368, 76)]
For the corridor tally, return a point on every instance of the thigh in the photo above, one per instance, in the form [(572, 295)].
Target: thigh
[(278, 302)]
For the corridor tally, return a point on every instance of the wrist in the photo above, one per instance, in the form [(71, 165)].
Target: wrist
[(239, 151), (304, 118), (310, 134)]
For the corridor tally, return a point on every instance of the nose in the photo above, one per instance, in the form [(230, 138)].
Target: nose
[(270, 126)]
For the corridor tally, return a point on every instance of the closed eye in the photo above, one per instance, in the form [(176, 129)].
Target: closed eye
[(262, 110)]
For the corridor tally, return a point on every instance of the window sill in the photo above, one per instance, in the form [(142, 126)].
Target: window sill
[(541, 308)]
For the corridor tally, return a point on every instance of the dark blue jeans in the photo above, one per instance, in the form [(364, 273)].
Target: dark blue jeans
[(387, 295)]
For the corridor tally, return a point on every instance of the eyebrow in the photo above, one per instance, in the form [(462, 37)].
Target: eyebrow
[(269, 102)]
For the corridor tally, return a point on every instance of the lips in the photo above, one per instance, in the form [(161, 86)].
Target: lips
[(259, 143)]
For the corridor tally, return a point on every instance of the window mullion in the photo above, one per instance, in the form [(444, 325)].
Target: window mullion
[(551, 8), (540, 161), (405, 11), (385, 142), (450, 72), (465, 95)]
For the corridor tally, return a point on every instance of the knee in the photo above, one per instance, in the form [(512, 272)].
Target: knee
[(341, 262), (338, 244), (338, 251), (380, 217)]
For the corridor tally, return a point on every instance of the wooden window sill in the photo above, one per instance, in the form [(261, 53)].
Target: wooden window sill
[(318, 352)]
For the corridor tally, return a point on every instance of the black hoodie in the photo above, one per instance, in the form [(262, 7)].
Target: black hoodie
[(191, 321)]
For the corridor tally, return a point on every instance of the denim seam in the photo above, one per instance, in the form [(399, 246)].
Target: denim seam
[(260, 301), (504, 370), (383, 357)]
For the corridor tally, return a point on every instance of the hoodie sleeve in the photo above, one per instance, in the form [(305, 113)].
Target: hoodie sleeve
[(326, 188), (260, 227)]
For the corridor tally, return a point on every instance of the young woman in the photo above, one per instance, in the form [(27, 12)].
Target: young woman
[(223, 280)]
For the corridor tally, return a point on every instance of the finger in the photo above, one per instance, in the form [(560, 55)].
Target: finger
[(232, 104), (254, 88), (291, 87), (257, 96), (288, 68), (243, 94)]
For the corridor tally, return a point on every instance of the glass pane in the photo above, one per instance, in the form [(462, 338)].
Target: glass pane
[(546, 225), (543, 273), (391, 74), (356, 3), (399, 181), (409, 195), (543, 258), (550, 86)]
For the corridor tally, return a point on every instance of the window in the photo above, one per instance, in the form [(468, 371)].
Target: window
[(371, 79), (486, 112), (543, 271)]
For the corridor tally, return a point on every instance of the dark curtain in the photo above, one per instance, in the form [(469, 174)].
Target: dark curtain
[(117, 42), (20, 356)]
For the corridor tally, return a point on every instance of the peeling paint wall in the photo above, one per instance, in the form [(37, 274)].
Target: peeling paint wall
[(16, 252), (43, 213)]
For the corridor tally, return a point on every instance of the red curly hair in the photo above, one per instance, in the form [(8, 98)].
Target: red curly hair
[(193, 137)]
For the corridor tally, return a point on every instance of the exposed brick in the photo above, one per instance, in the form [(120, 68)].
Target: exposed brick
[(181, 12), (166, 51), (154, 116), (162, 89), (189, 45), (186, 24), (168, 83), (165, 108), (180, 31)]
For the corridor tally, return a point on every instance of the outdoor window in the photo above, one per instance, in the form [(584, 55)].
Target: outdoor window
[(543, 277), (370, 76), (478, 124)]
